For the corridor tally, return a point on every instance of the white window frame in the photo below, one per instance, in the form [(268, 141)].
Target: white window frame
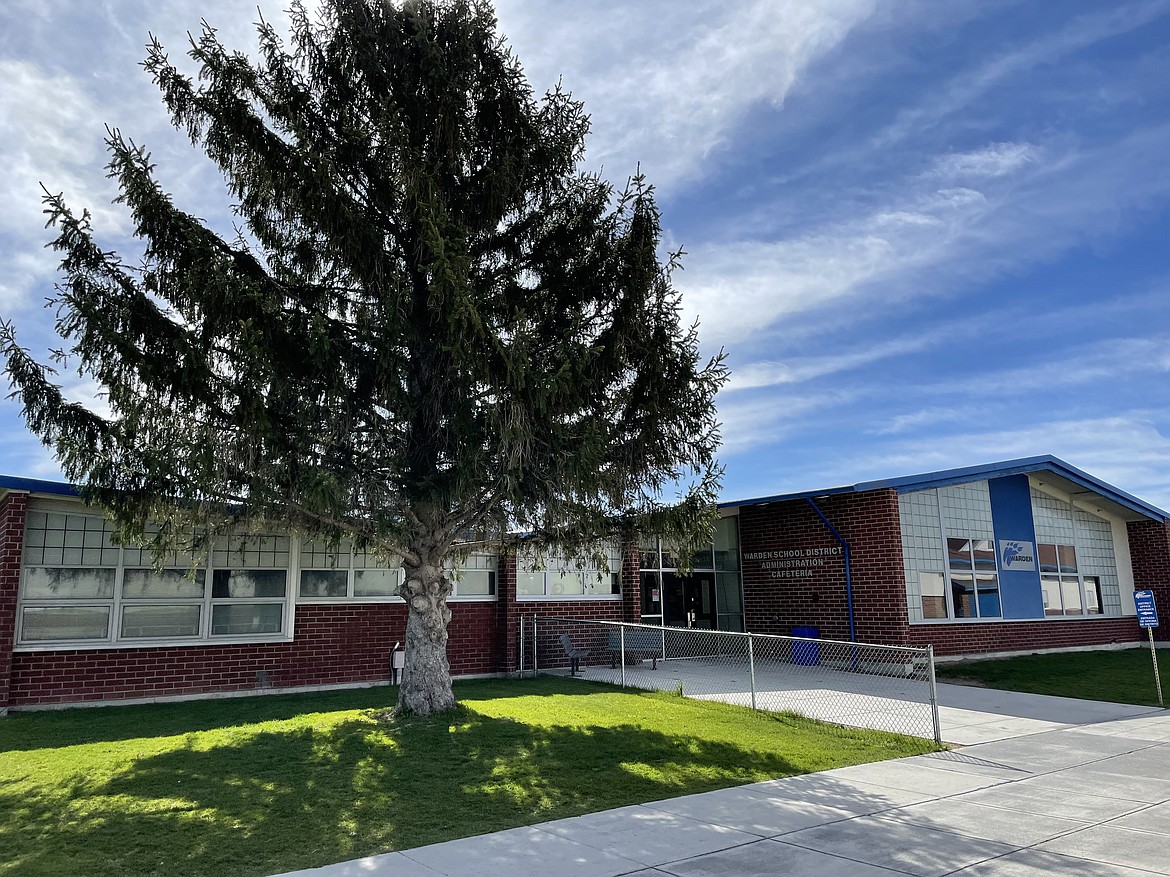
[(116, 604), (485, 562), (554, 566), (1080, 577)]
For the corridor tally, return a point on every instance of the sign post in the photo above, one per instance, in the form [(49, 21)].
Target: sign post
[(1148, 618)]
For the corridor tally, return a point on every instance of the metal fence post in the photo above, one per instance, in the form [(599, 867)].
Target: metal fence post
[(622, 633), (752, 668), (933, 695), (535, 649)]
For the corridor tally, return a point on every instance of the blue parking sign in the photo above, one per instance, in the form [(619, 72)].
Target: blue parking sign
[(1147, 612)]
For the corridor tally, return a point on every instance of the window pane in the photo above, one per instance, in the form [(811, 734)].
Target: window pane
[(530, 584), (160, 621), (602, 584), (1092, 595), (1068, 558), (235, 619), (567, 583), (1047, 558), (253, 552), (240, 583), (731, 622), (475, 583), (931, 587), (1070, 593), (703, 559), (984, 552), (375, 582), (729, 593), (963, 595), (651, 593), (988, 596), (149, 584), (324, 583), (959, 553), (64, 623), (726, 544), (68, 584), (317, 554), (1050, 588)]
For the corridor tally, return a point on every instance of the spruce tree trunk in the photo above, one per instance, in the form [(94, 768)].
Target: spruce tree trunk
[(426, 676)]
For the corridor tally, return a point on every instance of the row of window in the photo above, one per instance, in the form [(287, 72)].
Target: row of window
[(969, 587), (81, 586)]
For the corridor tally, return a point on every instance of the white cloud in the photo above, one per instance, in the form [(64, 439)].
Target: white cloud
[(49, 132), (670, 101), (1083, 31), (1126, 450), (766, 373), (993, 160), (925, 240), (766, 419)]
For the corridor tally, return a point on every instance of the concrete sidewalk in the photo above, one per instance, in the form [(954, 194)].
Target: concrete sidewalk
[(1066, 787)]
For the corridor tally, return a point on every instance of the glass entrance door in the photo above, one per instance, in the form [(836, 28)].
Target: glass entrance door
[(689, 600)]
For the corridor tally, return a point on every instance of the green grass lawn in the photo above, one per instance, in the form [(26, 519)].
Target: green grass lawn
[(270, 784), (1125, 676)]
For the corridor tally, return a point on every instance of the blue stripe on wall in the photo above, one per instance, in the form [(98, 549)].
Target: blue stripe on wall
[(1011, 514)]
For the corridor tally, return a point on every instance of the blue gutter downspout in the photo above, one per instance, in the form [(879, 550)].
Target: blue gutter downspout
[(848, 576)]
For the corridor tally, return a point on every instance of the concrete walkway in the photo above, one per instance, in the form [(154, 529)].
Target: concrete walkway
[(1064, 787)]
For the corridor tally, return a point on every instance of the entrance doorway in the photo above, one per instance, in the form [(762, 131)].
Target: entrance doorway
[(690, 600)]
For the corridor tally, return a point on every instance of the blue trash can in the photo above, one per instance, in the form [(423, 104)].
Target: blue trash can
[(807, 654)]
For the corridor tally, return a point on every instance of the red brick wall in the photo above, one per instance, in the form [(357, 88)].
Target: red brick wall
[(815, 595), (334, 644), (631, 577), (12, 511), (1149, 550), (1022, 636)]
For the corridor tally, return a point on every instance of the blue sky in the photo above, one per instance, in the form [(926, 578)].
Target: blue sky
[(929, 234)]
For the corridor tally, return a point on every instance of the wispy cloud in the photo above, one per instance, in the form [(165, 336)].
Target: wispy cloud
[(669, 102), (927, 240), (961, 91), (1126, 449)]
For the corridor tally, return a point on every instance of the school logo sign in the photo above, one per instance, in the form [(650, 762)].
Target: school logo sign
[(1016, 554)]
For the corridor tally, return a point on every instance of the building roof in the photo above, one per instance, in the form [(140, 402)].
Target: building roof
[(37, 485), (1047, 469)]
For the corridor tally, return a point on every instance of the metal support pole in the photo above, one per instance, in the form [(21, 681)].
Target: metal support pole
[(1157, 675), (752, 668), (933, 695), (535, 649), (521, 646), (623, 656)]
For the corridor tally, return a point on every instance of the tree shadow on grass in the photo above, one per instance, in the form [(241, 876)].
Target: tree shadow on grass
[(284, 800), (22, 731)]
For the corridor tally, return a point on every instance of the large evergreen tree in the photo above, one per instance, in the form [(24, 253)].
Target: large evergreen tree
[(430, 321)]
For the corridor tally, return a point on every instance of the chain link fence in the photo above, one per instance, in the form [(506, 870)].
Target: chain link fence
[(889, 688)]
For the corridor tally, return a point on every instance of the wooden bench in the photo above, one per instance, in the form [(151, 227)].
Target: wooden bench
[(574, 654), (640, 644)]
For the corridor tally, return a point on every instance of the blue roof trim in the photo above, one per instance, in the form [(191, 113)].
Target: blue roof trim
[(36, 485), (947, 477)]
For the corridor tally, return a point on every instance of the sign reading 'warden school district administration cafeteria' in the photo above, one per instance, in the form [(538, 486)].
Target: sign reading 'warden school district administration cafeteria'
[(1147, 612)]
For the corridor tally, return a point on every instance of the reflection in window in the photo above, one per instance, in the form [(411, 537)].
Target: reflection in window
[(932, 588), (974, 578), (1066, 591)]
